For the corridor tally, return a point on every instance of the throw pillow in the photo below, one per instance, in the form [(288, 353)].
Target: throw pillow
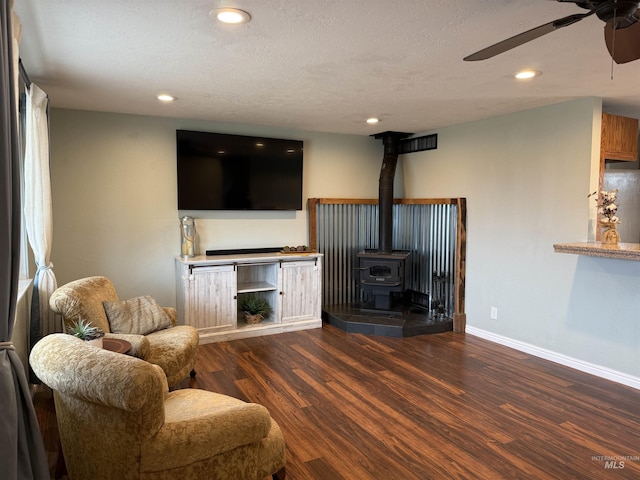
[(140, 315)]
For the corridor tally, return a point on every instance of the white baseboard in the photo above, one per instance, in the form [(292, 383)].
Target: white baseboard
[(597, 370)]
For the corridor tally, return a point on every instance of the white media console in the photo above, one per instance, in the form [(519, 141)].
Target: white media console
[(210, 290)]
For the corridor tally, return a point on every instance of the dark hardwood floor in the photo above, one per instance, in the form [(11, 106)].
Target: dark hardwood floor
[(439, 406)]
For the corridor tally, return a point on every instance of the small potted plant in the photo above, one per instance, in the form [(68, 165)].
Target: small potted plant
[(87, 332), (255, 309)]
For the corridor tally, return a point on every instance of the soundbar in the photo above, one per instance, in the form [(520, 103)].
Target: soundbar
[(239, 251)]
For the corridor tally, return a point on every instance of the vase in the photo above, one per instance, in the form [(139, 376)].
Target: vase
[(610, 235), (96, 342), (252, 319)]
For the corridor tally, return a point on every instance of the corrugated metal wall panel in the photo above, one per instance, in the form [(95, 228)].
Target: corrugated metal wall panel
[(427, 230)]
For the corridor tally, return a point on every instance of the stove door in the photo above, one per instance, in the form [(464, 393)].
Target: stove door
[(380, 272)]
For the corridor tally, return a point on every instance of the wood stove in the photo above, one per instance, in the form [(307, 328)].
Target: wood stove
[(381, 275), (389, 306), (383, 270)]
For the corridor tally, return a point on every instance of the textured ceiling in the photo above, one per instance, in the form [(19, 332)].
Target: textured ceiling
[(323, 65)]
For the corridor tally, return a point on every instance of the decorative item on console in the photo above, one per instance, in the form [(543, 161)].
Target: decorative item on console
[(607, 218), (187, 236), (298, 249), (255, 309)]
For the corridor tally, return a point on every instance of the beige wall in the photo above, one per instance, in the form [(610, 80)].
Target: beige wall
[(526, 177), (114, 196)]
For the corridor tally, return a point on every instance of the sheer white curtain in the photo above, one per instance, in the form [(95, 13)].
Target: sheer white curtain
[(38, 211)]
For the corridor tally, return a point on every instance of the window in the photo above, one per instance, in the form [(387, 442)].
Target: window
[(24, 243)]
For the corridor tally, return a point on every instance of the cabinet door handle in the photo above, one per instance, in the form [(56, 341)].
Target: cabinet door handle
[(281, 293)]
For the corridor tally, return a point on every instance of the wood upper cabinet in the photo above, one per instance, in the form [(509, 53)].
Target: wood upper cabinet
[(619, 140)]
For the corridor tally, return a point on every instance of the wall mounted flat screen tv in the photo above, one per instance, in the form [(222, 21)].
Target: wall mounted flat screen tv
[(219, 171)]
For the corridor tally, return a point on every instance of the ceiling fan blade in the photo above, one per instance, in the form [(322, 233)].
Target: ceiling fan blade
[(626, 47), (525, 37)]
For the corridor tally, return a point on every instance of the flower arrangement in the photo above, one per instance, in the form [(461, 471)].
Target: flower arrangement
[(607, 207)]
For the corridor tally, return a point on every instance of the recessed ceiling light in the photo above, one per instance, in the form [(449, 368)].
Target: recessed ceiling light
[(526, 74), (166, 98), (230, 15), (372, 120)]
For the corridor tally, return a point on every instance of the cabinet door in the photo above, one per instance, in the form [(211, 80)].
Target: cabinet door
[(211, 298), (301, 291), (619, 140)]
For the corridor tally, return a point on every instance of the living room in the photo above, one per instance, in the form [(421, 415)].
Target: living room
[(556, 306), (532, 194), (525, 174)]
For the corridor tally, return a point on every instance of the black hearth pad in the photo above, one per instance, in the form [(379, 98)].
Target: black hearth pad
[(353, 319)]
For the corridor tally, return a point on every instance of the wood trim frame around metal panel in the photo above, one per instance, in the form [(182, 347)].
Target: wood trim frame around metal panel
[(459, 315)]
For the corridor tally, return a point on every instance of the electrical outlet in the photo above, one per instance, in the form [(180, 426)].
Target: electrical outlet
[(494, 313)]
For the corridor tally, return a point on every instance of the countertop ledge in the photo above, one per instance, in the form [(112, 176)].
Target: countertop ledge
[(623, 251)]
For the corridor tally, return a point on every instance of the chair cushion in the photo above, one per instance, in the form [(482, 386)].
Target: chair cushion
[(175, 350), (200, 424), (139, 315)]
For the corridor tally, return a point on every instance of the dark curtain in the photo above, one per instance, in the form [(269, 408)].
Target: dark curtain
[(22, 454)]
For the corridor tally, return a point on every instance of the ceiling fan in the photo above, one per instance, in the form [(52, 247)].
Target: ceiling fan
[(621, 30)]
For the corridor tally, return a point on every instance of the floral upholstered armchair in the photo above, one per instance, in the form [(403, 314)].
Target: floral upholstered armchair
[(117, 419), (151, 329)]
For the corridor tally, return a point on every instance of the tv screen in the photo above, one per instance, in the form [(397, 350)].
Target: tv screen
[(219, 171)]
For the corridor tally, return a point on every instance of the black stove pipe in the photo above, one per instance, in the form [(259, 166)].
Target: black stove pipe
[(391, 141)]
